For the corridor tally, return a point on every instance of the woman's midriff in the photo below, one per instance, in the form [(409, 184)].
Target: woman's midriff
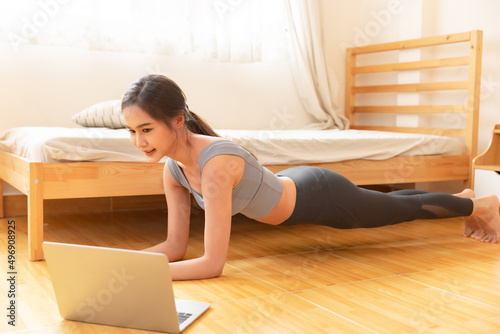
[(284, 208)]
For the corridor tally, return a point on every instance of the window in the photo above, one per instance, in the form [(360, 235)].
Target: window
[(223, 30)]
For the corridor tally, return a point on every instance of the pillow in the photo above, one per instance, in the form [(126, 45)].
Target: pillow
[(107, 114)]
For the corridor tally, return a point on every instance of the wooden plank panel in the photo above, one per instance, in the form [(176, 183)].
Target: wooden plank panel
[(398, 169), (96, 179), (428, 86), (16, 205), (427, 131), (414, 65), (487, 167), (422, 109), (15, 171), (413, 43)]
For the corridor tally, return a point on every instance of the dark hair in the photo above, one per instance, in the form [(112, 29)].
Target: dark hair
[(163, 100)]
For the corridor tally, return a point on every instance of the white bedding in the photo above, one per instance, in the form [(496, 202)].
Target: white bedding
[(55, 144)]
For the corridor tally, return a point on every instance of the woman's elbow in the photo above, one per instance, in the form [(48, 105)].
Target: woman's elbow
[(216, 271), (215, 268), (176, 254)]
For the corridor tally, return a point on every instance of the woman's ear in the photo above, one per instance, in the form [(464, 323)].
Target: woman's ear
[(178, 121)]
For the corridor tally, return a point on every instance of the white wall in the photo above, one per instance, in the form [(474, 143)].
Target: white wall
[(45, 86)]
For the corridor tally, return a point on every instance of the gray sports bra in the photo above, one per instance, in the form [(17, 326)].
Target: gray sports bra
[(256, 194)]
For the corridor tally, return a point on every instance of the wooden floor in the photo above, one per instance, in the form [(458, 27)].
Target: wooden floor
[(418, 277)]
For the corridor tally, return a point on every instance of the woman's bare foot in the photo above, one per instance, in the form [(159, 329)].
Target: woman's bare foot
[(466, 193), (473, 228), (488, 217)]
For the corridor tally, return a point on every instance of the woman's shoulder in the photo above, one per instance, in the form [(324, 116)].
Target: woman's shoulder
[(220, 147), (173, 171)]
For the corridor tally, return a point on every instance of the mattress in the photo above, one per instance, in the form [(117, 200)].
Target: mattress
[(57, 144)]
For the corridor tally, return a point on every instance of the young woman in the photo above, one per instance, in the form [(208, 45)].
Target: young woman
[(225, 180)]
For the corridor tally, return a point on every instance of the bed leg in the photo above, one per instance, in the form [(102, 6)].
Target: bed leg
[(35, 228), (35, 214)]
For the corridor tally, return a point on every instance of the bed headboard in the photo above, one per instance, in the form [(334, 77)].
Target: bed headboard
[(471, 85)]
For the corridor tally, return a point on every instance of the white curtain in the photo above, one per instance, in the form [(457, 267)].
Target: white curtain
[(237, 31), (308, 64)]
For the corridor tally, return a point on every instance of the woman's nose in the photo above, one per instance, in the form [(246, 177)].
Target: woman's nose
[(140, 141)]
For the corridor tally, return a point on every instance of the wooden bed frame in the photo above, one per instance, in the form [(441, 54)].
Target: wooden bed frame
[(421, 168), (41, 181)]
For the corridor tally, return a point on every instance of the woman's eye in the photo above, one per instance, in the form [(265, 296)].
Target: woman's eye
[(131, 131), (146, 130)]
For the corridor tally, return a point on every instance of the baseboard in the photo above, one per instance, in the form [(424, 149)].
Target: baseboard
[(16, 205)]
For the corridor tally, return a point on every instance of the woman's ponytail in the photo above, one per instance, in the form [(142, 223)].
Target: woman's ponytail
[(196, 124)]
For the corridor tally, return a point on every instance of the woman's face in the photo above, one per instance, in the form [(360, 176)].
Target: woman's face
[(154, 138)]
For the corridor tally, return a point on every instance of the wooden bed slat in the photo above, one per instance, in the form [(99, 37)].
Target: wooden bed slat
[(429, 131), (416, 87), (415, 65), (421, 109), (413, 43)]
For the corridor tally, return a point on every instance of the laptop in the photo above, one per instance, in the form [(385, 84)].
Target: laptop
[(117, 287)]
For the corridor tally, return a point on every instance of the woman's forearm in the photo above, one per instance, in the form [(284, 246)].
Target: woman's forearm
[(199, 268), (173, 252)]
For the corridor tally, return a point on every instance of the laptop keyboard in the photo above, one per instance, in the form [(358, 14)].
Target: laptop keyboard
[(183, 316)]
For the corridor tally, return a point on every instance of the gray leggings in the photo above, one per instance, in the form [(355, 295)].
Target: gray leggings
[(328, 198)]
